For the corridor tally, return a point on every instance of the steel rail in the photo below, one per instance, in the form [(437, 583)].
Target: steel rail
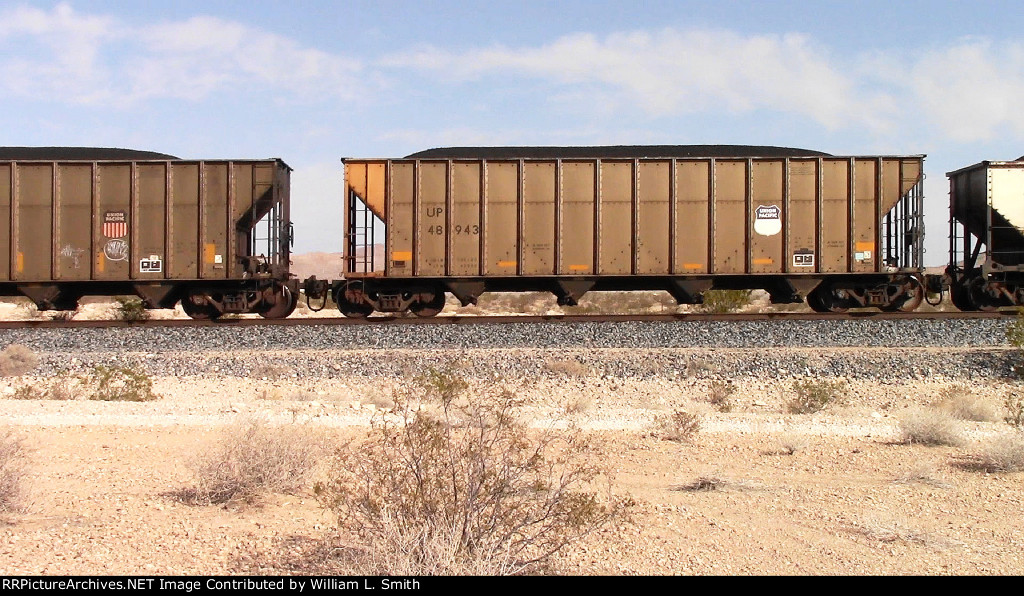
[(506, 319)]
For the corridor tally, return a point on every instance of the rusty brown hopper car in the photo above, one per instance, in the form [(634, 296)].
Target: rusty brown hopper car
[(840, 232), (986, 235), (82, 222)]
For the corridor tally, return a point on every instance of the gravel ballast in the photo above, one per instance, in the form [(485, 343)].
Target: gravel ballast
[(936, 333), (883, 350)]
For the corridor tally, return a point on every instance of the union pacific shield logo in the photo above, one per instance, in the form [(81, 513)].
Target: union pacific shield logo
[(115, 224), (768, 220)]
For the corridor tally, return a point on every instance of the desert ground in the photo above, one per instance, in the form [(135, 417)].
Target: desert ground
[(754, 490)]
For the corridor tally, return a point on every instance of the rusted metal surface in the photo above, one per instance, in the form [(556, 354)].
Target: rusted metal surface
[(88, 223), (650, 216), (507, 220)]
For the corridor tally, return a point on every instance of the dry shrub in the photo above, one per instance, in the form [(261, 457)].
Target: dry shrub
[(633, 302), (887, 530), (12, 470), (465, 490), (703, 484), (515, 302), (921, 473), (1005, 453), (1014, 410), (961, 403), (814, 395), (568, 368), (269, 370), (697, 368), (929, 426), (101, 383), (712, 483), (681, 426), (378, 399), (16, 360), (60, 388), (582, 404), (720, 395), (251, 460), (791, 442)]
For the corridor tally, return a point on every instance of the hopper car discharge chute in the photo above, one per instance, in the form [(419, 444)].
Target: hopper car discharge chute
[(986, 236)]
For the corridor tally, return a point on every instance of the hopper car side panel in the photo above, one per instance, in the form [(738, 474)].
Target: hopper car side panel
[(684, 224), (162, 229)]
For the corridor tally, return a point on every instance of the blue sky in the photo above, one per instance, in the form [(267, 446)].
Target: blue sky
[(313, 81)]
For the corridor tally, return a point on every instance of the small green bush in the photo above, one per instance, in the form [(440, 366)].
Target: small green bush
[(440, 384), (723, 301), (131, 309), (1015, 337), (814, 395), (118, 383)]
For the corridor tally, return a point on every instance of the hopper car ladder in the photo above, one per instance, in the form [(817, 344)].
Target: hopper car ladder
[(359, 250)]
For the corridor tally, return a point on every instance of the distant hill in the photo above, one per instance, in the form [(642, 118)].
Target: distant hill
[(324, 265), (328, 265)]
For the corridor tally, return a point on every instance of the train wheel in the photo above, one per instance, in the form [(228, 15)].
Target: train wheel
[(199, 312), (284, 304), (959, 297), (910, 300), (978, 298), (915, 295), (429, 309), (814, 301), (350, 308), (824, 301)]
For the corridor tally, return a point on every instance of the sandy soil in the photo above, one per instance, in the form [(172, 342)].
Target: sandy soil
[(104, 478)]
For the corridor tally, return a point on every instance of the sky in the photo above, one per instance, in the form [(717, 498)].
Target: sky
[(311, 81)]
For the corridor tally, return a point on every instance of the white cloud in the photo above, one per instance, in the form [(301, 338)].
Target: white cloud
[(70, 44), (98, 60), (195, 58), (670, 72), (967, 91), (971, 91)]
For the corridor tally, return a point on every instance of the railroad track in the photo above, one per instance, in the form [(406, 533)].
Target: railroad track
[(505, 319)]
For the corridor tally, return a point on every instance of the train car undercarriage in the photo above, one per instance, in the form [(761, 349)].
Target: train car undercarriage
[(425, 297)]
